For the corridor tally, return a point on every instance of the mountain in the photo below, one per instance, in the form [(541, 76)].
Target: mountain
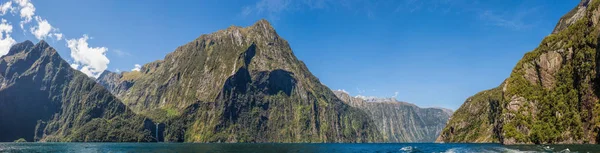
[(401, 121), (43, 99), (239, 85), (551, 95)]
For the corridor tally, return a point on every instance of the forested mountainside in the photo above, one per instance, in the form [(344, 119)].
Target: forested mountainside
[(551, 95), (43, 99), (400, 121), (239, 85)]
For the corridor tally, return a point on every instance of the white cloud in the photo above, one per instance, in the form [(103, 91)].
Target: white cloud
[(5, 40), (27, 10), (136, 67), (117, 70), (90, 60), (6, 7), (57, 36), (43, 28), (93, 59)]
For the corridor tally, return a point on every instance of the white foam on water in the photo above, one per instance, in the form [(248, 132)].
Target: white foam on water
[(565, 151), (407, 149), (451, 150)]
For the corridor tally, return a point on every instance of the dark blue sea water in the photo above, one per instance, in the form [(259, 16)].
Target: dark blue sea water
[(275, 147)]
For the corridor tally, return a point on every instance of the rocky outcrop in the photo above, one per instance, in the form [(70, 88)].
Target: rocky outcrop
[(240, 85), (43, 99), (401, 121), (551, 95), (573, 16), (543, 69)]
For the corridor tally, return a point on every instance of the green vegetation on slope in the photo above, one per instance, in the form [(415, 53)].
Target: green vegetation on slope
[(44, 99), (476, 120), (240, 85), (552, 94)]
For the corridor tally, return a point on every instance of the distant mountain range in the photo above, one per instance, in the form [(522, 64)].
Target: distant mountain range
[(551, 96), (400, 121)]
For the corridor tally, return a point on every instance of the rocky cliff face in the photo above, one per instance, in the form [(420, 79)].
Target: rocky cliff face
[(239, 85), (43, 99), (400, 121), (551, 95)]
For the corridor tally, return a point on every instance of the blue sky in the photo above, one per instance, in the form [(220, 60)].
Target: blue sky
[(431, 53)]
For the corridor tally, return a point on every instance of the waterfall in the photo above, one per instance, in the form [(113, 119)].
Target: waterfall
[(157, 132)]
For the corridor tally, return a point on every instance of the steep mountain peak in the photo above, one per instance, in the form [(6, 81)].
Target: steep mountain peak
[(573, 16), (19, 47), (26, 42), (42, 44), (235, 73), (28, 46), (263, 25), (40, 93), (259, 32), (215, 57)]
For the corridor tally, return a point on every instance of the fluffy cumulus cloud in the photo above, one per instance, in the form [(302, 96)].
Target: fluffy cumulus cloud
[(90, 60), (93, 60), (43, 28), (26, 11), (6, 7), (57, 36), (136, 67), (5, 40)]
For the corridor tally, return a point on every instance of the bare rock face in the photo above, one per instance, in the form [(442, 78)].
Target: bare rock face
[(573, 16), (549, 64), (543, 69), (401, 121), (240, 85), (550, 97)]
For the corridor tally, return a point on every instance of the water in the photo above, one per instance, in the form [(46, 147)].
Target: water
[(274, 147)]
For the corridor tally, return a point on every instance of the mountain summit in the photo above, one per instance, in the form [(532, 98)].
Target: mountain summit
[(239, 85), (43, 99)]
